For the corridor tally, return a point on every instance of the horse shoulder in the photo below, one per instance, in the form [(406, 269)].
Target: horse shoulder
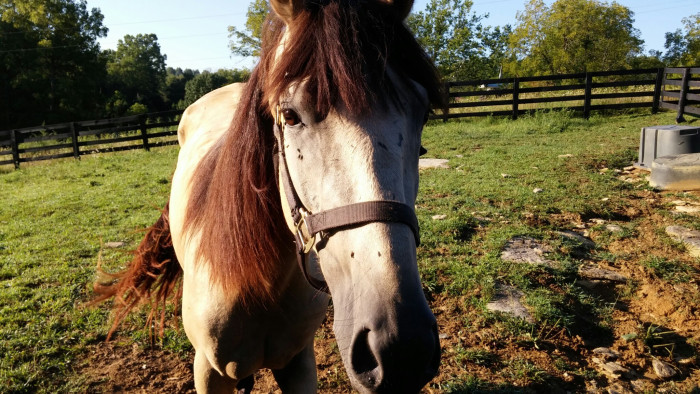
[(212, 113)]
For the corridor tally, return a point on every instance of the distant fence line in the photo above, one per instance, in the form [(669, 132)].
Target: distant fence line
[(76, 139), (676, 89), (583, 92)]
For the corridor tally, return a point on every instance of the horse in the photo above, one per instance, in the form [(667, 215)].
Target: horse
[(294, 187)]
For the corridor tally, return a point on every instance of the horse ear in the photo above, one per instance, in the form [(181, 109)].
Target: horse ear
[(401, 7), (287, 9)]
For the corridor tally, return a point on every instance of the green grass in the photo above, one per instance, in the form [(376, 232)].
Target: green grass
[(55, 216)]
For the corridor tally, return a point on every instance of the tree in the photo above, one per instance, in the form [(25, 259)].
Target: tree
[(207, 81), (174, 88), (247, 43), (49, 61), (572, 36), (137, 71), (460, 46), (683, 47)]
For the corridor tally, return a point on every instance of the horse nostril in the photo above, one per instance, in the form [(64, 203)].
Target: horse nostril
[(363, 361)]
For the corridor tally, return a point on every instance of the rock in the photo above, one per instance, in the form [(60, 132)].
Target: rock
[(689, 238), (526, 250), (612, 369), (606, 354), (566, 156), (690, 209), (614, 228), (443, 336), (679, 202), (439, 217), (433, 163), (507, 300), (537, 190), (574, 236), (597, 221), (114, 245), (605, 199), (503, 175), (662, 369), (600, 273)]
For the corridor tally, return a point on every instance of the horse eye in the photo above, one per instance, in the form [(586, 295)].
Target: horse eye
[(290, 117)]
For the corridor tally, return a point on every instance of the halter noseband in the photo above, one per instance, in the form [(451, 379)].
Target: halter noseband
[(308, 224)]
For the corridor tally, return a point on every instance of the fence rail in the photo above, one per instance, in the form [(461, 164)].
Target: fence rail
[(76, 139), (582, 92), (676, 89)]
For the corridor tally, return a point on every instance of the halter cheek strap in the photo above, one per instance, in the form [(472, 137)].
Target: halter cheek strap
[(308, 225)]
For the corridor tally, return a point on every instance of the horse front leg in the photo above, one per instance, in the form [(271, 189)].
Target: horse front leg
[(299, 376), (209, 380)]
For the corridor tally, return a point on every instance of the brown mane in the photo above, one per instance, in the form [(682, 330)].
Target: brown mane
[(342, 51)]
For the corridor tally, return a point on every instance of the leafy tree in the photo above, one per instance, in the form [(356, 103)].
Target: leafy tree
[(683, 46), (175, 81), (207, 81), (137, 71), (49, 61), (247, 42), (456, 40), (572, 36)]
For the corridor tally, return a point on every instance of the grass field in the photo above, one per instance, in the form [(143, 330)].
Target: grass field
[(56, 216)]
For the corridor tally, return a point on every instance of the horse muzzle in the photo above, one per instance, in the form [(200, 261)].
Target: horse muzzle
[(384, 361)]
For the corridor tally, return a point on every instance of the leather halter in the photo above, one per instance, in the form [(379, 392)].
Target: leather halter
[(308, 225)]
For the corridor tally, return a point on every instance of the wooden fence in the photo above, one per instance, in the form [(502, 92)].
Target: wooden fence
[(583, 93), (684, 92), (676, 89), (76, 139)]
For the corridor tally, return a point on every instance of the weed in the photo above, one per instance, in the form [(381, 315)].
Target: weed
[(670, 270)]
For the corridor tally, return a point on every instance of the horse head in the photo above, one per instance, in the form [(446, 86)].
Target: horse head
[(349, 126)]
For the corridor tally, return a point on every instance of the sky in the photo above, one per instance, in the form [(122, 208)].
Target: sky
[(194, 34)]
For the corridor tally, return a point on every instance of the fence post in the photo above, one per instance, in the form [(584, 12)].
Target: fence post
[(74, 135), (447, 102), (660, 73), (516, 97), (587, 96), (684, 91), (144, 133), (15, 148)]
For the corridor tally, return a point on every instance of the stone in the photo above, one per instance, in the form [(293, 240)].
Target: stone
[(537, 190), (507, 300), (526, 250), (614, 228), (439, 217), (566, 156), (689, 238), (504, 175), (663, 369), (576, 237), (114, 245), (606, 354), (617, 388), (690, 209), (595, 273), (433, 163), (612, 369)]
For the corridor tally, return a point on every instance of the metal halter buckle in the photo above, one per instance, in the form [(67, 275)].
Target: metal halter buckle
[(303, 233)]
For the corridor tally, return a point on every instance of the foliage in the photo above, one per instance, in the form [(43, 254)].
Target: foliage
[(137, 71), (205, 82), (572, 36), (49, 61), (175, 82), (683, 46), (454, 37), (247, 42)]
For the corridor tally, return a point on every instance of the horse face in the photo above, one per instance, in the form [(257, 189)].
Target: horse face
[(385, 330)]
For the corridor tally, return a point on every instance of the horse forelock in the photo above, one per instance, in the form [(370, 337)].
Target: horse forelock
[(341, 52)]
